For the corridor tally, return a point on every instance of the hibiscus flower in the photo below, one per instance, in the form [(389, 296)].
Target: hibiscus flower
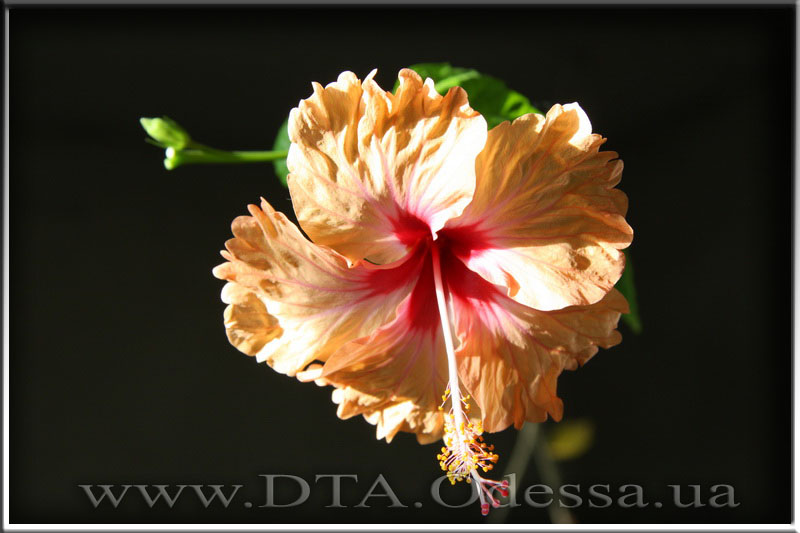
[(450, 274)]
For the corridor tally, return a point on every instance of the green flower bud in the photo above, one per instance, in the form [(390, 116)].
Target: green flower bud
[(166, 131), (171, 158)]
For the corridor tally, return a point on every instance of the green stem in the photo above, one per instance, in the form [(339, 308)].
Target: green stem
[(203, 154), (549, 474), (531, 443)]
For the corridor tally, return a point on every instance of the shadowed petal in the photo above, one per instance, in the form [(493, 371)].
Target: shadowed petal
[(546, 221), (371, 172), (292, 301)]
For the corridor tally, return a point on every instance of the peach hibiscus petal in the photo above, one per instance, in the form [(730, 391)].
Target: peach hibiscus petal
[(546, 221), (291, 301), (396, 376), (247, 323), (372, 172), (511, 355), (516, 381)]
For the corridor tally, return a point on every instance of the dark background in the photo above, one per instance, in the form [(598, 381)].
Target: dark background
[(120, 369)]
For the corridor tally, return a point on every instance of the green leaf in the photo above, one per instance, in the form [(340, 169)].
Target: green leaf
[(282, 142), (626, 287), (488, 95), (444, 75)]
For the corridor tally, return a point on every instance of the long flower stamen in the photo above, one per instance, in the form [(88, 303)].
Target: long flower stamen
[(464, 451)]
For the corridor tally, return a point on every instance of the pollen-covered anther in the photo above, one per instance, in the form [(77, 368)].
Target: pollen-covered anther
[(464, 454)]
